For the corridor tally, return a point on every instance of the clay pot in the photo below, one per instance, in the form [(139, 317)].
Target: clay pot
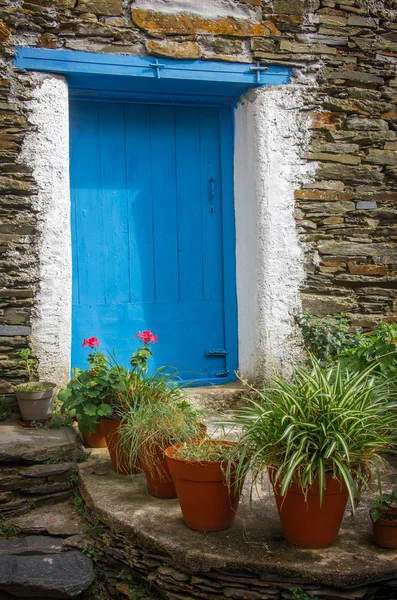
[(206, 502), (118, 456), (305, 523), (96, 439), (159, 480), (35, 406), (385, 531)]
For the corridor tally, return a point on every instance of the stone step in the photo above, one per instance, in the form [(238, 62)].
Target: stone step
[(50, 574), (38, 445), (58, 520), (23, 487), (218, 397)]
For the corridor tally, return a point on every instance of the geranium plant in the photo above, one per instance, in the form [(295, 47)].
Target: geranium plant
[(86, 395)]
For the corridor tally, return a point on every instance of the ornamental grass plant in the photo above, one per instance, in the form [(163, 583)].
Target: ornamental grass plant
[(327, 420), (155, 416)]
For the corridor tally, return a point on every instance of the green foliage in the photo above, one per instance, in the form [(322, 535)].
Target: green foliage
[(379, 345), (33, 388), (95, 529), (5, 407), (27, 363), (6, 530), (78, 503), (87, 394), (382, 504), (72, 480), (54, 460), (93, 552), (139, 590), (206, 450), (300, 594), (328, 336), (326, 420)]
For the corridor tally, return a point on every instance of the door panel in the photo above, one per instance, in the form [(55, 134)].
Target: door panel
[(148, 246)]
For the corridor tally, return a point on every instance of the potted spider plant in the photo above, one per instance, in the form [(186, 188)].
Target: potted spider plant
[(384, 519), (317, 435), (35, 398), (86, 396), (157, 416), (203, 473)]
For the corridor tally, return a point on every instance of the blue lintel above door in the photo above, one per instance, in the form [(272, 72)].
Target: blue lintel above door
[(115, 76)]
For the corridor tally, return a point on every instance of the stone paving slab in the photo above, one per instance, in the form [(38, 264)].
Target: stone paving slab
[(63, 575), (59, 520), (30, 444), (254, 543)]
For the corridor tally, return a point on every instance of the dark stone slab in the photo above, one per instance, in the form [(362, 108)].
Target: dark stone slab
[(48, 470), (58, 520), (32, 545), (19, 444), (11, 330), (63, 575)]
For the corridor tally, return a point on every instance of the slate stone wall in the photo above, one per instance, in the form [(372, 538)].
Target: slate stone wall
[(344, 55)]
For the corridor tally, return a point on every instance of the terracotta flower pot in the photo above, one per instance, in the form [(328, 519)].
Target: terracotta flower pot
[(96, 439), (159, 480), (305, 523), (206, 502), (35, 406), (118, 456), (385, 530)]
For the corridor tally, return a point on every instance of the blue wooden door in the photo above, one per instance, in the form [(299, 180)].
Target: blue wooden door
[(153, 234)]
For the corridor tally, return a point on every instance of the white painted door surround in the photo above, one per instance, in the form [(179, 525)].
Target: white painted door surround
[(270, 132)]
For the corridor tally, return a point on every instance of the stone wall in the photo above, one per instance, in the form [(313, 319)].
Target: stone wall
[(344, 57), (120, 558)]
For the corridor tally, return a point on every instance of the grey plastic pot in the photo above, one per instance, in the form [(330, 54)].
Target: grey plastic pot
[(35, 406)]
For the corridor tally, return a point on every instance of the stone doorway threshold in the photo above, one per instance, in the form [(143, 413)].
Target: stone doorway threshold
[(248, 561)]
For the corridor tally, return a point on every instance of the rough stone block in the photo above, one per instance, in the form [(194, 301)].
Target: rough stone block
[(288, 7), (63, 575), (350, 175), (345, 159), (358, 269), (381, 157), (101, 7), (174, 49), (49, 470), (364, 124), (324, 305), (184, 23)]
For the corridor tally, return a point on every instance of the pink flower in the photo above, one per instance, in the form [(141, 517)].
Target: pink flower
[(147, 337), (49, 519), (91, 342)]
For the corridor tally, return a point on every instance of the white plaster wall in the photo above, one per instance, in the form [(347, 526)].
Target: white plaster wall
[(46, 151), (270, 136), (211, 9)]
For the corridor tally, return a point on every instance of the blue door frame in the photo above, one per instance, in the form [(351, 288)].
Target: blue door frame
[(119, 78)]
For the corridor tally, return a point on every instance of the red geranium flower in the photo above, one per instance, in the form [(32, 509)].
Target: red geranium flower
[(91, 342), (92, 371), (147, 337)]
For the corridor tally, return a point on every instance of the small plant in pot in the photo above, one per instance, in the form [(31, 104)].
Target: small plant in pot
[(157, 416), (86, 396), (35, 398), (317, 435), (203, 473), (384, 519)]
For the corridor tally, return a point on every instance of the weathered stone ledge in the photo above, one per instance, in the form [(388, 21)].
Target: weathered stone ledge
[(249, 561)]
